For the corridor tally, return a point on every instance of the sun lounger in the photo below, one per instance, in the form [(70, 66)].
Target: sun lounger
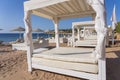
[(37, 44)]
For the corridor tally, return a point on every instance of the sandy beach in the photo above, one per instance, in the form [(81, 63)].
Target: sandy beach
[(13, 66)]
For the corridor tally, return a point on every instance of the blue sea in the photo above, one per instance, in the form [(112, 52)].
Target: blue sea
[(8, 37)]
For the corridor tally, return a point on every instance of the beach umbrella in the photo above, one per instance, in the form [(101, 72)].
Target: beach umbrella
[(49, 32), (113, 18), (1, 29), (38, 31), (18, 29)]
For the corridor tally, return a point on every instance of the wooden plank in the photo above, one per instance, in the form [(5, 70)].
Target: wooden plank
[(85, 4), (71, 4), (76, 4), (102, 69), (85, 23), (57, 9), (62, 8), (56, 22), (76, 14), (66, 72), (81, 5), (54, 10), (31, 5), (45, 12), (50, 11), (41, 14), (67, 7)]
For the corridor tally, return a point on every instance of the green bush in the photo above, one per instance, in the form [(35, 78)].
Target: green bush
[(118, 27)]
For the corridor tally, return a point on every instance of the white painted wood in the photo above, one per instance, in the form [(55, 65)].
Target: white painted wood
[(113, 40), (78, 31), (100, 26), (49, 10), (73, 36), (28, 38), (31, 5), (56, 21), (59, 11), (93, 17), (84, 33), (62, 8), (67, 72), (84, 23), (76, 14), (102, 69), (41, 14), (81, 4), (73, 6), (67, 6)]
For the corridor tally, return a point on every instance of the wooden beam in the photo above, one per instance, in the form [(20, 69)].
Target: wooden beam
[(56, 22), (41, 14), (72, 5), (76, 4), (68, 72), (85, 4), (76, 14), (62, 8), (81, 5), (58, 10), (45, 12), (35, 4), (85, 23), (67, 7), (50, 11)]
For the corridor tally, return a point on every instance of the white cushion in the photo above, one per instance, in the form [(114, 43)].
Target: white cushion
[(90, 68), (68, 54)]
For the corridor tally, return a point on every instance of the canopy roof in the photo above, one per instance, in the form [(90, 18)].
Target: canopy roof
[(59, 8), (38, 30), (18, 29), (87, 24), (1, 29)]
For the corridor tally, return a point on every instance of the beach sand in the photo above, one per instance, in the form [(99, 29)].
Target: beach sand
[(13, 66)]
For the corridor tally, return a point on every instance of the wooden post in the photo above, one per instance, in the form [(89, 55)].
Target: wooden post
[(101, 29), (84, 33), (93, 17), (73, 36), (28, 38), (113, 40), (56, 21), (78, 30), (102, 69)]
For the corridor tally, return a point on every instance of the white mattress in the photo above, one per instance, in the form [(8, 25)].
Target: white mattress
[(86, 43), (79, 55), (88, 68)]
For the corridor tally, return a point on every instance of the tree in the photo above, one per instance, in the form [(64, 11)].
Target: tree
[(118, 27)]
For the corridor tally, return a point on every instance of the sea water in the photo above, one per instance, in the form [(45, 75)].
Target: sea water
[(8, 37)]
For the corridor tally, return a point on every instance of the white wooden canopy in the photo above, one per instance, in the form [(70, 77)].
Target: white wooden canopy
[(62, 9), (84, 23), (59, 8)]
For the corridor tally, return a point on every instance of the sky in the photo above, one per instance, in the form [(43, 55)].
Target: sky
[(12, 13)]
